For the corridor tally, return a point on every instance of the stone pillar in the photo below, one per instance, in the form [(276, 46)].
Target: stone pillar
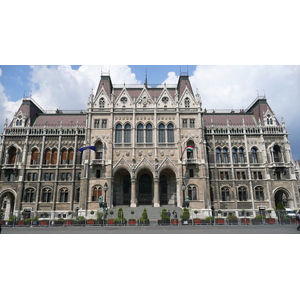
[(133, 193), (156, 193)]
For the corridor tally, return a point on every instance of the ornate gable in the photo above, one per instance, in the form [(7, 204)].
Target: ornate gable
[(165, 99), (187, 100), (124, 99), (144, 100)]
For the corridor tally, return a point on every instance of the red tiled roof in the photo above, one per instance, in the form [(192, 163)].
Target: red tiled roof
[(55, 120)]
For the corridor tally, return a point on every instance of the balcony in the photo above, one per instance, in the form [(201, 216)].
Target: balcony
[(98, 162), (191, 161)]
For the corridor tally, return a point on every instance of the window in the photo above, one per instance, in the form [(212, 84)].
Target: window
[(127, 133), (101, 103), (77, 195), (192, 123), (218, 156), (242, 192), (187, 102), (170, 133), (46, 176), (225, 193), (149, 133), (240, 175), (254, 155), (97, 192), (123, 100), (161, 133), (241, 155), (64, 154), (46, 195), (257, 175), (234, 156), (140, 133), (34, 157), (259, 193), (47, 157), (191, 173), (29, 176), (118, 138), (276, 153), (192, 193), (104, 123), (224, 175), (54, 157), (63, 176), (51, 176), (29, 195), (98, 173), (64, 193), (184, 123), (12, 154), (96, 123), (225, 156), (71, 157), (68, 176), (11, 177)]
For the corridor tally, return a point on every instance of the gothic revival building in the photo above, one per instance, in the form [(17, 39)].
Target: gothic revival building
[(148, 145)]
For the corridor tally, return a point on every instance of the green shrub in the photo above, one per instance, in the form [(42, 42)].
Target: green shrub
[(99, 216), (120, 213), (232, 218), (164, 215), (144, 216), (260, 217), (209, 219), (185, 214), (80, 218)]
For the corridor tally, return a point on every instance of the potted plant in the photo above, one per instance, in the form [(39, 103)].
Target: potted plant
[(196, 221), (100, 219), (258, 220), (120, 220), (185, 216), (219, 221), (207, 221), (144, 220), (90, 222), (219, 213), (232, 220), (111, 220), (132, 221), (270, 220), (165, 219), (245, 221)]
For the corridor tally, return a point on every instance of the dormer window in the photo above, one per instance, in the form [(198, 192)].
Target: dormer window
[(101, 103), (19, 121), (187, 102)]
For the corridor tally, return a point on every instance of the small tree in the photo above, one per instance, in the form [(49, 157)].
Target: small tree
[(144, 217), (185, 214), (164, 215), (111, 212)]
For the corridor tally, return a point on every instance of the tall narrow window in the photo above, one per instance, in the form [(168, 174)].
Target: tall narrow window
[(241, 155), (12, 154), (170, 133), (276, 153), (64, 193), (234, 156), (34, 157), (54, 157), (71, 157), (127, 134), (104, 123), (192, 123), (97, 192), (218, 156), (46, 195), (140, 133), (77, 195), (29, 195), (96, 123), (259, 193), (184, 123), (119, 133), (242, 191), (225, 191), (187, 102), (47, 157), (254, 155), (64, 154), (149, 133), (101, 103), (225, 156), (161, 133)]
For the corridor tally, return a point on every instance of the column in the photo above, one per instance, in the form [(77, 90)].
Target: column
[(156, 193), (133, 193)]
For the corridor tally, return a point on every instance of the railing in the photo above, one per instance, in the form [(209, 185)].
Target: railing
[(98, 162)]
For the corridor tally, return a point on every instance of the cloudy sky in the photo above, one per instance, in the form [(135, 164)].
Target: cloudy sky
[(231, 87)]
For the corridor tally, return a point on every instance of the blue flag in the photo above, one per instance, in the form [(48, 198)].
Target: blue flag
[(88, 147)]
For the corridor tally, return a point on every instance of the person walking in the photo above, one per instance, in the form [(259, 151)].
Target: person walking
[(298, 219)]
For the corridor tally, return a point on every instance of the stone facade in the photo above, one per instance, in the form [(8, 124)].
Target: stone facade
[(152, 146)]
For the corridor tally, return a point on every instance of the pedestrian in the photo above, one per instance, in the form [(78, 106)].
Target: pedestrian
[(175, 215), (169, 213), (298, 219)]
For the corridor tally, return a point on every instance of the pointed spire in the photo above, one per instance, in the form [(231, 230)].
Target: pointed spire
[(146, 80)]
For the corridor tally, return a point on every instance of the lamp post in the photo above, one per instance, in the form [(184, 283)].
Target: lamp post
[(105, 190), (183, 187)]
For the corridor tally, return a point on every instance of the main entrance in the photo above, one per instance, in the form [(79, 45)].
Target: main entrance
[(145, 188)]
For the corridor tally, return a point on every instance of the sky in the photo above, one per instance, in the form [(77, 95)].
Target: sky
[(220, 86)]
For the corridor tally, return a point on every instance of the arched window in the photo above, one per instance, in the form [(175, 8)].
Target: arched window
[(225, 156), (149, 133), (34, 157), (140, 133), (242, 192), (101, 103), (97, 192), (161, 133), (170, 133), (187, 102), (276, 153), (29, 195), (54, 157), (225, 193), (47, 157), (71, 157), (46, 195), (99, 150), (64, 194), (241, 155), (254, 155), (192, 192), (234, 156), (64, 154), (127, 134), (119, 133), (218, 156), (12, 154), (259, 193)]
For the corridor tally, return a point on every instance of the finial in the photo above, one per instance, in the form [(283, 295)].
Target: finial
[(146, 79)]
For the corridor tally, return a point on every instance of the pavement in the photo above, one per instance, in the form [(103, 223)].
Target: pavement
[(155, 229)]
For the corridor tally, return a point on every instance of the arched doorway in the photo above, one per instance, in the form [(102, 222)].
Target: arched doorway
[(122, 188), (7, 204), (167, 187), (145, 188), (281, 198)]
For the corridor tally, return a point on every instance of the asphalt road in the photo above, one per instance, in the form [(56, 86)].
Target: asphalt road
[(196, 229)]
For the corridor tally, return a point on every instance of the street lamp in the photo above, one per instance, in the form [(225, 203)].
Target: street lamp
[(183, 187), (105, 190)]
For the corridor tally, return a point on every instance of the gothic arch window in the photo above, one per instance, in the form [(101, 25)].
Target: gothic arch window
[(101, 103), (99, 150), (242, 193), (187, 102), (254, 155), (124, 101), (127, 133), (269, 119), (118, 137), (54, 157), (47, 157), (70, 156), (161, 133), (29, 195), (12, 155), (234, 156), (64, 154), (97, 192), (34, 157), (140, 133), (192, 192), (19, 121), (218, 156), (225, 155), (170, 132), (149, 133), (276, 153), (259, 193), (47, 195), (241, 155), (225, 193), (190, 152), (64, 194)]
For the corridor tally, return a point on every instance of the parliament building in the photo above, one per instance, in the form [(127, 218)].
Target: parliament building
[(145, 145)]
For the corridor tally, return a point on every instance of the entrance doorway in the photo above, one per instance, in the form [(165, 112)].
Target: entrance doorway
[(281, 199), (122, 188), (145, 189)]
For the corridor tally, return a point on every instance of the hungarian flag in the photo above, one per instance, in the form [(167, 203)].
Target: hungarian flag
[(189, 149), (88, 147)]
